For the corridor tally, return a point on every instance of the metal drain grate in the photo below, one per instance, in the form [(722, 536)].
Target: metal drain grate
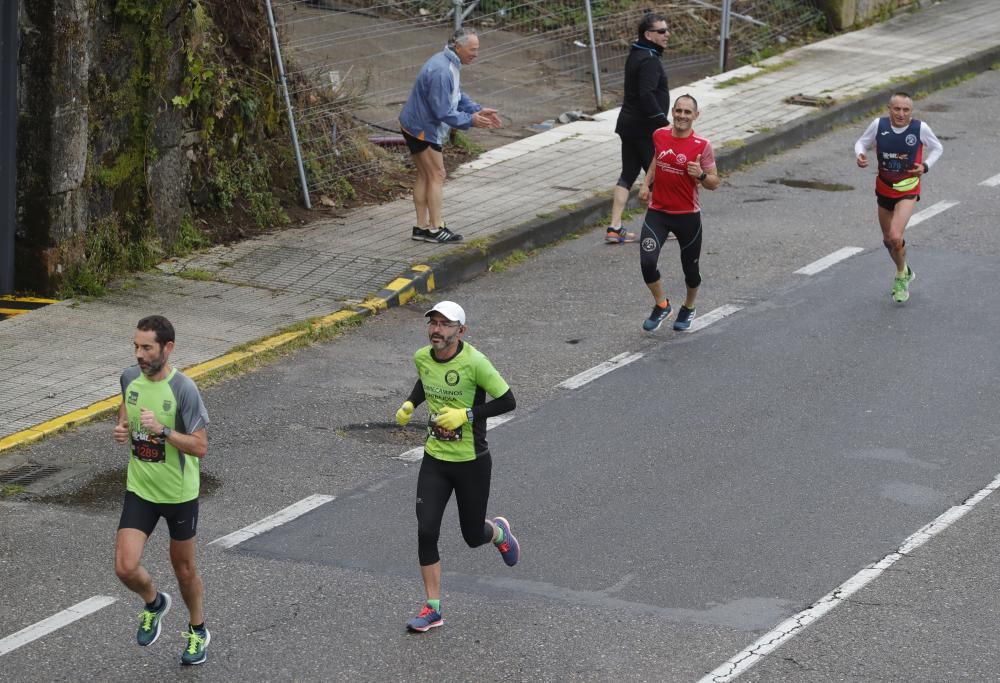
[(27, 474)]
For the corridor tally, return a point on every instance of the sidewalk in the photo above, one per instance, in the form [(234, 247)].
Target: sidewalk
[(59, 365)]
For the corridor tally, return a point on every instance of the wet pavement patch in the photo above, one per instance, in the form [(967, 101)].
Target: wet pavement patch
[(812, 184), (105, 491), (385, 432)]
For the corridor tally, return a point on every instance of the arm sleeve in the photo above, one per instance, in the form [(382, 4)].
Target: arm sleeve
[(468, 105), (933, 145), (439, 101), (649, 77), (417, 396), (708, 158), (190, 407), (498, 406), (867, 138)]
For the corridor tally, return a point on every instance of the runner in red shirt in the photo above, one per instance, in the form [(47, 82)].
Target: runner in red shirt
[(682, 163)]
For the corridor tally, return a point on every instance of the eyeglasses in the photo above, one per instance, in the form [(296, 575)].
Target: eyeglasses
[(442, 323), (661, 31)]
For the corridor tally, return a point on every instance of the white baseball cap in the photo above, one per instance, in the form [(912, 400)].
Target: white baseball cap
[(450, 310)]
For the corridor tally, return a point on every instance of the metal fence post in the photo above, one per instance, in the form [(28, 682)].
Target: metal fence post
[(724, 36), (8, 142), (593, 57), (288, 105), (458, 14)]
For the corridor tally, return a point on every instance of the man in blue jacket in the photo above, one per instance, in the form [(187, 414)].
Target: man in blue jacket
[(436, 105)]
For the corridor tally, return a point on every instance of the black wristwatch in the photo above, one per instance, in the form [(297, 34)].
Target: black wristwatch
[(702, 176), (166, 432), (927, 168)]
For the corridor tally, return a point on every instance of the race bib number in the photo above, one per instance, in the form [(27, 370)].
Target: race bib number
[(440, 433), (148, 448)]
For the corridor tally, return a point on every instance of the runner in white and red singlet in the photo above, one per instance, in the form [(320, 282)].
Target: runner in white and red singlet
[(683, 162)]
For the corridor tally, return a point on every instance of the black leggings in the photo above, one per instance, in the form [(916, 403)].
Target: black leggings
[(637, 155), (470, 480), (687, 228)]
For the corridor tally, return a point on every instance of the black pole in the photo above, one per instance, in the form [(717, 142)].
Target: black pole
[(8, 141)]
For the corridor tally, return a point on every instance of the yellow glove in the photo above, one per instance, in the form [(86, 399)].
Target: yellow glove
[(404, 414), (452, 418)]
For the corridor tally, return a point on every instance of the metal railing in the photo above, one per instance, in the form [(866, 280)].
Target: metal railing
[(351, 63)]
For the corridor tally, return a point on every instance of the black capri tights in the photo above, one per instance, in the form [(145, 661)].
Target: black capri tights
[(637, 155), (687, 228), (470, 480)]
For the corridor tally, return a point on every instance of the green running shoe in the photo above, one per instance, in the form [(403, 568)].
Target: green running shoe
[(197, 643), (149, 626), (901, 286)]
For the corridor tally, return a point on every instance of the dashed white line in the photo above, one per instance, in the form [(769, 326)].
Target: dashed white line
[(577, 381), (991, 182), (277, 519), (53, 623), (931, 211), (713, 316), (417, 454), (828, 260), (792, 626)]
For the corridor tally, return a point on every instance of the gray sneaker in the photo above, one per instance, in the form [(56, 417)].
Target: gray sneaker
[(149, 624), (197, 643)]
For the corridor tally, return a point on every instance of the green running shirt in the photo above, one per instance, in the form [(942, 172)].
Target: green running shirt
[(157, 471), (460, 382)]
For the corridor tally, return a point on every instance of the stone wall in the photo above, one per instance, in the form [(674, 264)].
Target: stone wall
[(846, 14)]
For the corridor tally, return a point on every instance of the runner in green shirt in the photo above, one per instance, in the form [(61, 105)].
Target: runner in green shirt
[(164, 419), (454, 378)]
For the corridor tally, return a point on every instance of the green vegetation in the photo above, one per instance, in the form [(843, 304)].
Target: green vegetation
[(195, 274), (10, 490), (515, 258), (761, 70), (466, 144)]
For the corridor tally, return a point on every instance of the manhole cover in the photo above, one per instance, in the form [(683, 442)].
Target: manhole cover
[(386, 432), (811, 100), (29, 473)]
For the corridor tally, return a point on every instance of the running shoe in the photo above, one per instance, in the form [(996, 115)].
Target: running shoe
[(197, 643), (619, 236), (684, 317), (427, 619), (656, 318), (420, 234), (149, 624), (442, 236), (509, 548), (901, 286)]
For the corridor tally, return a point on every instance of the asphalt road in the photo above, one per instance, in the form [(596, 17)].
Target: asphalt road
[(671, 512)]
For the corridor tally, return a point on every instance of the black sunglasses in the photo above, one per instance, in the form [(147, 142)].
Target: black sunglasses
[(661, 31)]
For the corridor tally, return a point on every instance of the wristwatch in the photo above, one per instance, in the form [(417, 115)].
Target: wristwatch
[(702, 176), (926, 168), (468, 414), (166, 432)]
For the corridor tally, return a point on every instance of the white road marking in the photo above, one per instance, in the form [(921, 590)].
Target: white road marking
[(713, 316), (53, 623), (277, 519), (931, 211), (828, 260), (577, 381), (991, 182), (417, 454), (792, 626)]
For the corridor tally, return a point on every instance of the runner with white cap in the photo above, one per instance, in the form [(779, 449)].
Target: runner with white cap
[(454, 378)]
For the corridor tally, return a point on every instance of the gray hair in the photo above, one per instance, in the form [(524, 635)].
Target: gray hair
[(461, 36)]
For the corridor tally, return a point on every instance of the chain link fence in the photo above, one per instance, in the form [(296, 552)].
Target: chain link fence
[(350, 63)]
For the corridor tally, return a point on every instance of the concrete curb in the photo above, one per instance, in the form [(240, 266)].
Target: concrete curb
[(468, 261)]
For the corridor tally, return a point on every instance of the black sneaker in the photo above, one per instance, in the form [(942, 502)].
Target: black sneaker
[(656, 318), (442, 235), (420, 234), (684, 316)]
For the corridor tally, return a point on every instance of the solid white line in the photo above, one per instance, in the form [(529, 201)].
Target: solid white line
[(417, 454), (931, 211), (991, 182), (792, 626), (577, 381), (268, 523), (828, 260), (713, 316), (56, 621)]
